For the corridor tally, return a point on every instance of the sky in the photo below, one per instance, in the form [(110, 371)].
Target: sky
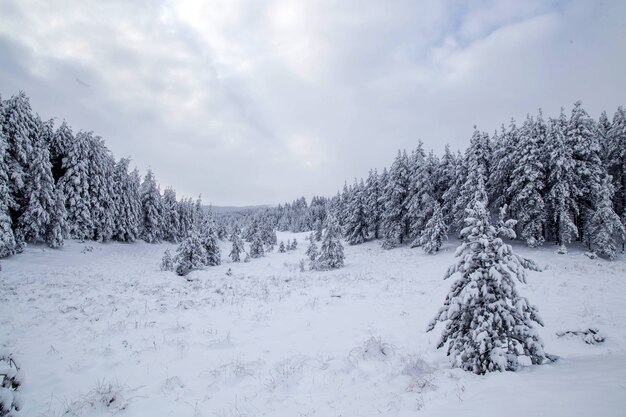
[(260, 102)]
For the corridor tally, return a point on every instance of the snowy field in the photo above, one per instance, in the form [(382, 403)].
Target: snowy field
[(98, 330)]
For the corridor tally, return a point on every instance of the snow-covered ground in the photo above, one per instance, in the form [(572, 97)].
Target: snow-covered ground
[(98, 329)]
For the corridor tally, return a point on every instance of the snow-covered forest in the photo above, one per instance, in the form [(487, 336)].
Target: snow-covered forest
[(347, 287)]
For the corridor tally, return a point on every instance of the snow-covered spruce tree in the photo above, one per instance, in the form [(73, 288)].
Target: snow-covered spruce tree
[(101, 188), (616, 160), (373, 207), (75, 186), (528, 182), (294, 244), (562, 186), (319, 230), (451, 192), (151, 209), (256, 247), (7, 239), (170, 216), (435, 231), (606, 230), (126, 201), (331, 253), (57, 227), (504, 162), (394, 199), (422, 202), (209, 239), (38, 202), (356, 227), (19, 126), (167, 262), (475, 167), (281, 247), (190, 254), (488, 324), (580, 133), (237, 247), (311, 250)]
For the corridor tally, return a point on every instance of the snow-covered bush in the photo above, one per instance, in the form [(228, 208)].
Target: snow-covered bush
[(10, 401), (167, 262), (281, 247)]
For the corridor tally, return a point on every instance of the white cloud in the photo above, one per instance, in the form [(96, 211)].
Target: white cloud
[(250, 102)]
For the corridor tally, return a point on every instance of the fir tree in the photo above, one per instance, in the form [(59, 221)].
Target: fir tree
[(434, 232), (190, 254), (356, 227), (39, 201), (562, 187), (210, 242), (170, 216), (528, 182), (294, 244), (7, 239), (373, 207), (394, 196), (57, 228), (488, 324), (75, 187), (101, 189), (606, 228), (311, 251), (256, 247), (616, 160), (167, 262), (281, 247), (151, 209), (127, 202), (331, 253), (237, 247)]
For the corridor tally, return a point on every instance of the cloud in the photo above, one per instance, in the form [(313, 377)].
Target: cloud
[(250, 102)]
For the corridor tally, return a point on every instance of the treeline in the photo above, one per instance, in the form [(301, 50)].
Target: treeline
[(57, 184), (562, 178)]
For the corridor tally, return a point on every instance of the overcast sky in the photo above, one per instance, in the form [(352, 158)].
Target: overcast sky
[(251, 102)]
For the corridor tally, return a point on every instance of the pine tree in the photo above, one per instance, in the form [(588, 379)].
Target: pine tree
[(528, 183), (190, 254), (606, 228), (167, 262), (503, 164), (151, 209), (422, 201), (127, 202), (475, 169), (281, 247), (294, 244), (373, 208), (394, 197), (311, 251), (331, 253), (20, 130), (435, 231), (580, 133), (39, 201), (488, 324), (562, 186), (57, 227), (171, 216), (256, 247), (7, 239), (237, 247), (210, 241), (101, 188), (616, 160), (356, 227), (75, 187)]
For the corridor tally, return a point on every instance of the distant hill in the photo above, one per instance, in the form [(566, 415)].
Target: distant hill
[(220, 210)]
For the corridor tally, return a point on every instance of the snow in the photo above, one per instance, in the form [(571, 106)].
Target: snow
[(104, 331)]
